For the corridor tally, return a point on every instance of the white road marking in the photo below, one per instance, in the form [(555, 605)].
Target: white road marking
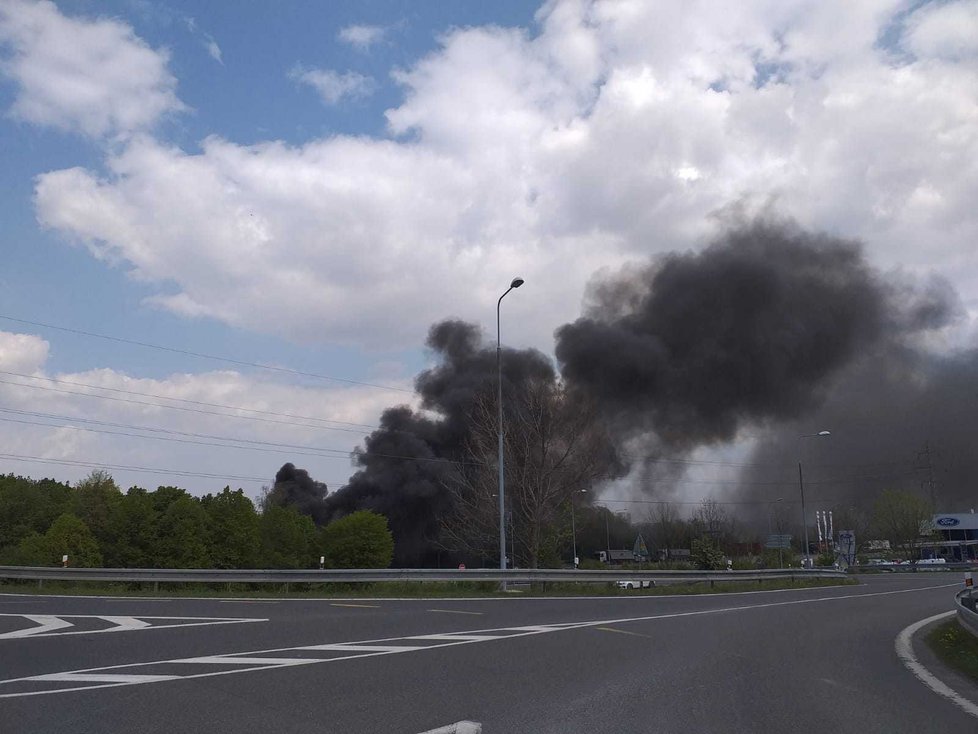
[(47, 623), (450, 636), (356, 647), (904, 649), (459, 727), (375, 648), (235, 660), (50, 624), (455, 611), (100, 678)]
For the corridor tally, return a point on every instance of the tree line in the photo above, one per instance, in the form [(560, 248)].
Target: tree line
[(95, 524)]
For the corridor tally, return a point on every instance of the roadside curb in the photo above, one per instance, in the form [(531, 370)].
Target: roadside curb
[(915, 654)]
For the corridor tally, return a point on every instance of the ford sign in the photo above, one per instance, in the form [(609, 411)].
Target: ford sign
[(948, 522)]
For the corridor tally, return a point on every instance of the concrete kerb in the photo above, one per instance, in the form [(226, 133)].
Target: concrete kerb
[(925, 666)]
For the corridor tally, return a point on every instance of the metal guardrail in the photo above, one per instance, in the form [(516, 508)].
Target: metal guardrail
[(964, 604), (257, 576), (913, 567)]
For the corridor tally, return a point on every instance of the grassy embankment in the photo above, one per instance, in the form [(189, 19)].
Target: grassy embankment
[(956, 647), (399, 589)]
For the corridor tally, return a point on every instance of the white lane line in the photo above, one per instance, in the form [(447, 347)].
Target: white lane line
[(356, 647), (450, 636), (101, 678), (47, 623), (904, 649), (371, 648), (455, 611), (459, 727), (234, 660)]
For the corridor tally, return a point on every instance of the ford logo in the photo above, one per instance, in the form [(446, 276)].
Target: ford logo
[(948, 522)]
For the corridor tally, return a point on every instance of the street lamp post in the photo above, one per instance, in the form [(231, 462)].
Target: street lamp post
[(770, 532), (574, 529), (801, 485), (517, 282)]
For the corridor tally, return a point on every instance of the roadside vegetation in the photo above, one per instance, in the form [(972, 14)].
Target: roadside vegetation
[(956, 647)]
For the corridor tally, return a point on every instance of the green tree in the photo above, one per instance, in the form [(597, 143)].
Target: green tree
[(68, 535), (287, 538), (904, 519), (359, 540), (183, 535), (707, 556), (133, 528), (234, 535), (28, 506), (95, 500)]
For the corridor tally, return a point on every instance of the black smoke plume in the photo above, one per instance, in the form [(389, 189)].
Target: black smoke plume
[(403, 464), (295, 488), (748, 330)]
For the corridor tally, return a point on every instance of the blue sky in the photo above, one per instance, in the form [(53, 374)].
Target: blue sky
[(313, 184)]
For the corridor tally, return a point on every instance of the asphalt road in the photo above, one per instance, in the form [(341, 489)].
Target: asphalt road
[(815, 660)]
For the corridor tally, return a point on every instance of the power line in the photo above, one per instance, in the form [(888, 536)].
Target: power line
[(124, 467), (201, 355), (180, 400), (293, 449), (179, 407)]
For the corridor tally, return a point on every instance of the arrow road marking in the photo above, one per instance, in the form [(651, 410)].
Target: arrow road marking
[(47, 622), (50, 625), (123, 675)]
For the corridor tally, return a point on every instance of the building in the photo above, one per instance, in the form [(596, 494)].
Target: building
[(957, 537)]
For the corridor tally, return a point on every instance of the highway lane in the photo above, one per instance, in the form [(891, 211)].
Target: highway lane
[(810, 660)]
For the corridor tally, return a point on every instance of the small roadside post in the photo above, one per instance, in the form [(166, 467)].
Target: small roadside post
[(322, 562), (64, 561)]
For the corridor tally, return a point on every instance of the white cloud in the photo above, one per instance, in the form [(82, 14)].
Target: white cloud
[(214, 50), (945, 30), (58, 402), (362, 37), (612, 134), (95, 77), (22, 352), (333, 86)]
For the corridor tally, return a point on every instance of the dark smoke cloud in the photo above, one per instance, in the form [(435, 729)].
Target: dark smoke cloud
[(403, 463), (901, 418), (769, 328), (748, 330), (295, 488)]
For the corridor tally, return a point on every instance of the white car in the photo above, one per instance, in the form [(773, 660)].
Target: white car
[(635, 584)]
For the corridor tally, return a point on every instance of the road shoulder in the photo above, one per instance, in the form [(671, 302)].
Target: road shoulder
[(913, 650)]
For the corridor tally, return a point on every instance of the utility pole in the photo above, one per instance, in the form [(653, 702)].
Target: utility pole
[(928, 468)]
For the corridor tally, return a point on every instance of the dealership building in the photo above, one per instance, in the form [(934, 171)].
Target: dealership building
[(957, 536)]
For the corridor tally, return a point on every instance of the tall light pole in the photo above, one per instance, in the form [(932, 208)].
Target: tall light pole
[(517, 282), (770, 506), (801, 485), (574, 527)]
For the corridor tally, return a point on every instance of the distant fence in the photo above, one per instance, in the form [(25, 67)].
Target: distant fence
[(964, 604), (332, 576)]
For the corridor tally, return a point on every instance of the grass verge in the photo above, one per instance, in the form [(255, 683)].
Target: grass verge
[(398, 589), (956, 647)]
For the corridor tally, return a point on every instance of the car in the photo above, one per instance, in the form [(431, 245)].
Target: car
[(634, 584)]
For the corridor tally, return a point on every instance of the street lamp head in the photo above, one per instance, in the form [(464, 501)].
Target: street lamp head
[(517, 282), (825, 433)]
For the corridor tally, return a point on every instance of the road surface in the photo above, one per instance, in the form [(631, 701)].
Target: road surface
[(814, 660)]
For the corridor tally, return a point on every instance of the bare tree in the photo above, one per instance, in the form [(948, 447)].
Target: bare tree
[(904, 519), (554, 445)]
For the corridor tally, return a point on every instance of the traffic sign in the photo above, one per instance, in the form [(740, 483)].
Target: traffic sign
[(778, 541)]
